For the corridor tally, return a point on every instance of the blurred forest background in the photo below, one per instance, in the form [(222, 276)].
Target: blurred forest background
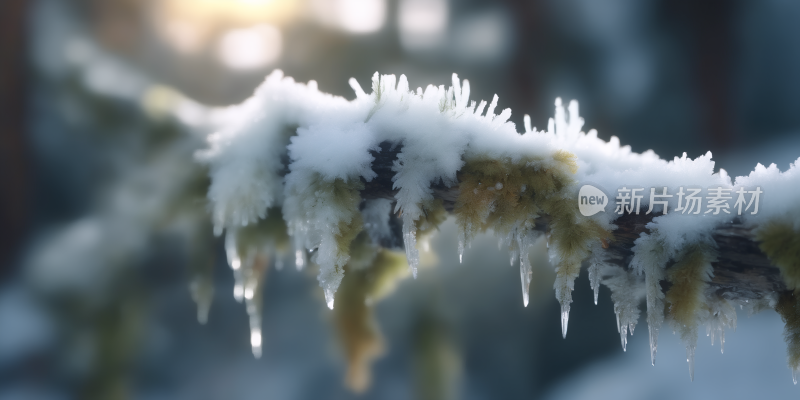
[(102, 233)]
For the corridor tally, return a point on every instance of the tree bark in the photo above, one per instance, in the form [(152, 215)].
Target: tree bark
[(741, 272)]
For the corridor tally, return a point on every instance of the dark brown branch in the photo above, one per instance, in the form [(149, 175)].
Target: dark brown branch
[(742, 271)]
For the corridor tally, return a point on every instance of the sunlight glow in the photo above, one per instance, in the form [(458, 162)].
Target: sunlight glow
[(250, 48)]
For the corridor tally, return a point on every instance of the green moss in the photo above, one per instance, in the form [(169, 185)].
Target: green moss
[(355, 322), (433, 215), (270, 231), (689, 277), (781, 243), (437, 362), (502, 194), (344, 196), (789, 309)]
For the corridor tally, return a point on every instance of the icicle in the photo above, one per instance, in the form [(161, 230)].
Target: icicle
[(690, 360), (655, 306), (410, 241), (626, 291), (253, 281), (594, 280), (329, 297), (564, 320), (520, 247), (723, 315), (794, 376), (623, 335), (653, 343), (460, 251), (525, 275)]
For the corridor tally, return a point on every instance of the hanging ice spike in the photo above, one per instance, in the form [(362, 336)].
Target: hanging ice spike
[(564, 320)]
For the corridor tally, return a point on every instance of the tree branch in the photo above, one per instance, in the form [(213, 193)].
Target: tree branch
[(742, 271)]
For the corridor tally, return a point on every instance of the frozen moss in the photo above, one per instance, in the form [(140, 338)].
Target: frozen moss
[(789, 309), (324, 215), (507, 197), (357, 328), (686, 298), (781, 243)]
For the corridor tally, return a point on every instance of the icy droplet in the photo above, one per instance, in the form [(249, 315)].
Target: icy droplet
[(794, 376), (460, 251), (238, 292), (202, 290), (525, 275), (410, 241), (329, 298), (594, 280), (564, 320), (255, 342), (299, 259)]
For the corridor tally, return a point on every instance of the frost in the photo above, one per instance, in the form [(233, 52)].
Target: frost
[(376, 215), (650, 258), (626, 293), (722, 315), (689, 277)]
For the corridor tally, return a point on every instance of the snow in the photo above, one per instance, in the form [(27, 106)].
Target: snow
[(328, 142)]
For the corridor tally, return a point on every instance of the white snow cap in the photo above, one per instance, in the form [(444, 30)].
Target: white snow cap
[(328, 138)]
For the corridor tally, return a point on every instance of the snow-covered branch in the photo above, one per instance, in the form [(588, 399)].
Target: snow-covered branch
[(393, 163)]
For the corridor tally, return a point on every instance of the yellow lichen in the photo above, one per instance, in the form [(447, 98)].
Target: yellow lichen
[(686, 298), (781, 243), (437, 362), (500, 194), (506, 195), (689, 278), (355, 322), (433, 215), (345, 196), (269, 232)]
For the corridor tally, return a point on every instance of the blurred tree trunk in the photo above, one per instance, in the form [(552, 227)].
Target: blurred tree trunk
[(14, 174)]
